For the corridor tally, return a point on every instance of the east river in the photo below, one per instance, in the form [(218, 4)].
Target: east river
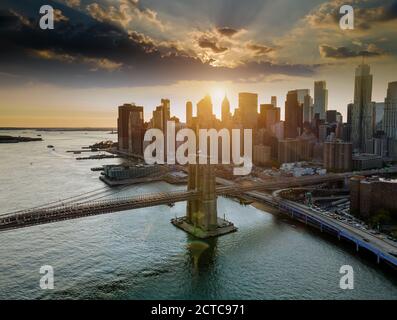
[(138, 254)]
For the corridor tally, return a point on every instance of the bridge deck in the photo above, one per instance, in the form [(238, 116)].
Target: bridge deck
[(31, 217)]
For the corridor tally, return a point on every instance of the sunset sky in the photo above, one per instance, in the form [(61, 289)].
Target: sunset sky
[(105, 53)]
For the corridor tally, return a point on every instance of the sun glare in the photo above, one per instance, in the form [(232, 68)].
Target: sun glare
[(217, 95)]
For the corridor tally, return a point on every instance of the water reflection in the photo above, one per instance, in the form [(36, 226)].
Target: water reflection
[(202, 252)]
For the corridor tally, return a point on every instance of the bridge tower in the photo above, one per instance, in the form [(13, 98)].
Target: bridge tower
[(202, 212), (201, 218)]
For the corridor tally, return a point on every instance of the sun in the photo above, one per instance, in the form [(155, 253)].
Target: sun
[(217, 95)]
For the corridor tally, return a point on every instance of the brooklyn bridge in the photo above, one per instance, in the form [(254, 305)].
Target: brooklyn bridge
[(201, 195)]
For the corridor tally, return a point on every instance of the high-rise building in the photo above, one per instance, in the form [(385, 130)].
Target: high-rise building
[(307, 109), (292, 115), (379, 112), (226, 115), (301, 93), (349, 113), (205, 116), (339, 117), (320, 99), (323, 132), (362, 114), (331, 116), (293, 150), (189, 113), (338, 156), (278, 130), (268, 116), (136, 131), (273, 101), (261, 155), (288, 151), (248, 106), (157, 118), (123, 122), (166, 112), (390, 111)]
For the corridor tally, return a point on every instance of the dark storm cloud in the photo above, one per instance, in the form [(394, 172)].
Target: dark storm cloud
[(89, 53), (344, 52)]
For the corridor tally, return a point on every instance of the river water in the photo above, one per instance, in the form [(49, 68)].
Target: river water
[(138, 254)]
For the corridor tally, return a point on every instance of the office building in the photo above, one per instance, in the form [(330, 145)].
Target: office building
[(136, 131), (123, 124), (248, 109), (205, 116), (226, 115), (292, 124), (273, 101), (320, 99), (362, 114), (331, 116), (189, 113), (390, 111), (307, 109), (268, 116)]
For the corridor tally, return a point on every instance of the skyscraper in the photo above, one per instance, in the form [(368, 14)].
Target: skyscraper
[(331, 116), (301, 95), (274, 101), (166, 112), (189, 113), (136, 131), (307, 108), (320, 99), (390, 111), (292, 110), (268, 116), (349, 113), (123, 121), (226, 115), (205, 116), (248, 107), (362, 113), (379, 112)]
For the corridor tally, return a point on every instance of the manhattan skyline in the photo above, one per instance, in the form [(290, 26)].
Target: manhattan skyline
[(141, 51)]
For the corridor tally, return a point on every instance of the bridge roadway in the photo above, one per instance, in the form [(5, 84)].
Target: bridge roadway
[(32, 217), (78, 210)]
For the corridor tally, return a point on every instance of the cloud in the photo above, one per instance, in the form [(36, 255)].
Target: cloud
[(344, 52), (73, 3), (95, 63), (227, 32), (58, 16), (259, 50), (70, 53), (126, 12), (367, 13), (204, 42)]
